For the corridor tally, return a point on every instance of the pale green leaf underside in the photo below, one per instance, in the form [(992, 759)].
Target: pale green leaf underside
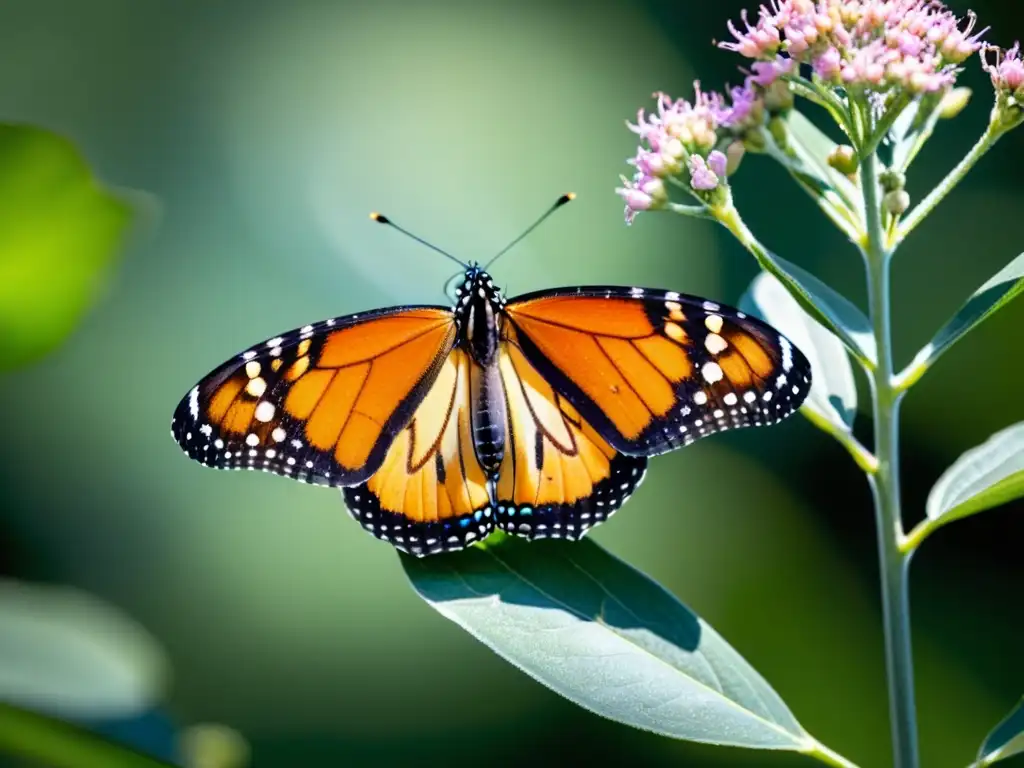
[(984, 477), (59, 231), (69, 654), (608, 638), (833, 395), (989, 298), (1006, 739)]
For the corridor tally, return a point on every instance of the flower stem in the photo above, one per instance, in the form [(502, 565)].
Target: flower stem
[(885, 486), (936, 196)]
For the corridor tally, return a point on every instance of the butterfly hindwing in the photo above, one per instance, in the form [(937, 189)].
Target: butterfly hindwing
[(654, 370), (321, 403), (430, 494), (559, 477)]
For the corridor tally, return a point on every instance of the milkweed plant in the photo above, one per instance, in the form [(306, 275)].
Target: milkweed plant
[(885, 73)]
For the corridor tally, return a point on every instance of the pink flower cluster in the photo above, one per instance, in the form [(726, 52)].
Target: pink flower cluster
[(681, 136), (1006, 71), (875, 45)]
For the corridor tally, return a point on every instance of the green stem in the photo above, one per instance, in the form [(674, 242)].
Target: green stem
[(920, 532), (988, 139), (825, 755), (885, 486)]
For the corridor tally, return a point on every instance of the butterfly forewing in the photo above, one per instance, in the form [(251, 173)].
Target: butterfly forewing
[(321, 403), (655, 370)]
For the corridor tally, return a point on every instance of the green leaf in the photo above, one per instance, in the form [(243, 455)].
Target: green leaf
[(50, 742), (59, 232), (833, 395), (1005, 740), (69, 654), (911, 130), (983, 477), (836, 194), (826, 305), (989, 298), (606, 637)]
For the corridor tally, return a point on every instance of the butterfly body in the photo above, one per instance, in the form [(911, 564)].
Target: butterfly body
[(535, 415)]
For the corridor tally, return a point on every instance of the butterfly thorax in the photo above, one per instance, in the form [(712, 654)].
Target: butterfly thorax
[(478, 307)]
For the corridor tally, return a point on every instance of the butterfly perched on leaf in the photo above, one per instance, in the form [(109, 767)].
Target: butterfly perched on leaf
[(534, 415)]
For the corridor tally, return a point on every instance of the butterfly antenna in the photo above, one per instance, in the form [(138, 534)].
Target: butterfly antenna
[(382, 219), (558, 204)]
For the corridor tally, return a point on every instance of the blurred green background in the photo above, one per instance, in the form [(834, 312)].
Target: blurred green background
[(267, 132)]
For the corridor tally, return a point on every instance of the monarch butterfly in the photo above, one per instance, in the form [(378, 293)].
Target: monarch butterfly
[(534, 415)]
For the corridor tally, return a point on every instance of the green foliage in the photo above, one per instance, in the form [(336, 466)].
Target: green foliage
[(984, 477), (911, 130), (608, 638), (65, 652), (988, 299), (838, 195), (59, 232), (55, 744), (1005, 740)]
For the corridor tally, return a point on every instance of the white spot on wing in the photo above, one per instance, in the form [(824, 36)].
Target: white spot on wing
[(275, 342), (715, 344), (712, 372), (193, 402), (700, 398), (787, 353), (265, 411)]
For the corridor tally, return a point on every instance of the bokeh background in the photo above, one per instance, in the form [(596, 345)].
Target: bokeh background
[(266, 132)]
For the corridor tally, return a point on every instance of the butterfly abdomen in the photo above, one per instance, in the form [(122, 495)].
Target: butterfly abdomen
[(488, 417)]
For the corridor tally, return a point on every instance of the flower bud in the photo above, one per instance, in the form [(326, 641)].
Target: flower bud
[(778, 97), (896, 202), (953, 103), (779, 130), (754, 141), (844, 159), (734, 155), (892, 180)]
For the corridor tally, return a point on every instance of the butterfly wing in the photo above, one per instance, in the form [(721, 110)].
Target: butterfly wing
[(321, 403), (654, 370), (430, 494), (559, 477)]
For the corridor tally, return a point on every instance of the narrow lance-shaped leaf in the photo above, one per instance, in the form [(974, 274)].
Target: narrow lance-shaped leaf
[(832, 402), (983, 477), (606, 637), (59, 231), (807, 159), (1005, 740), (911, 130), (989, 298), (830, 308)]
